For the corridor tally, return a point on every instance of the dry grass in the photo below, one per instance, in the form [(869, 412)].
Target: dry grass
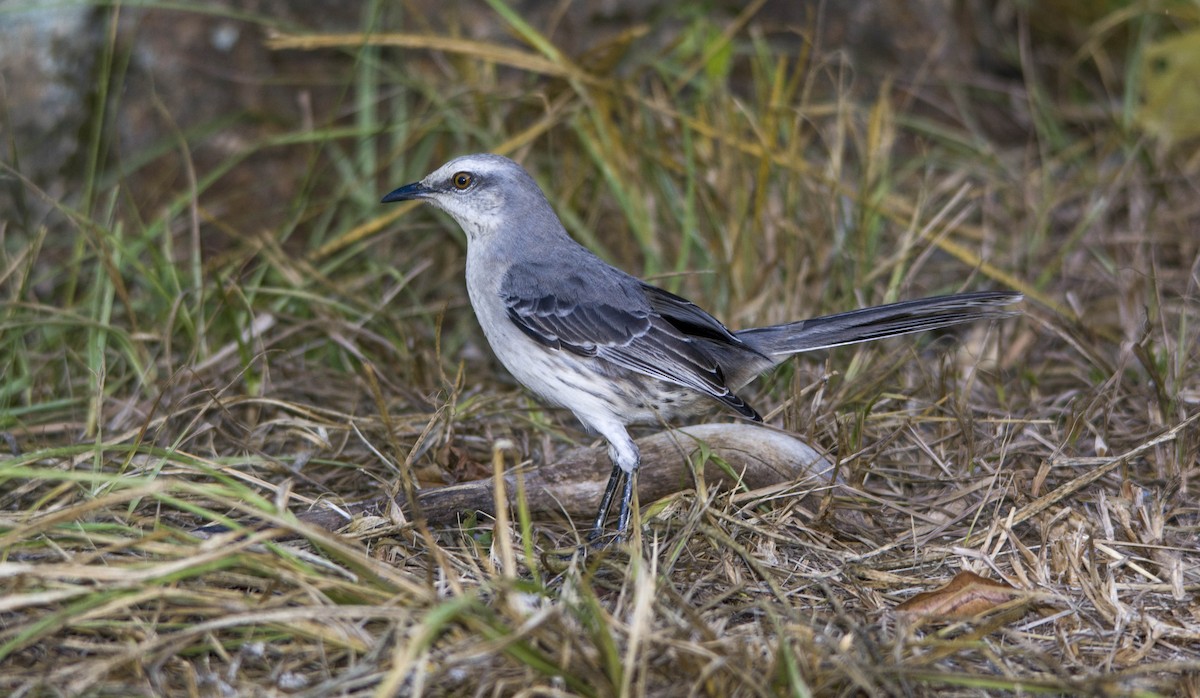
[(222, 327)]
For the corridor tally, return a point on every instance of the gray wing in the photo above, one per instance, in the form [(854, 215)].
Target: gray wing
[(610, 316), (686, 316)]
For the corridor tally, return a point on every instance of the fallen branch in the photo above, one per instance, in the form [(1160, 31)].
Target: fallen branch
[(758, 455)]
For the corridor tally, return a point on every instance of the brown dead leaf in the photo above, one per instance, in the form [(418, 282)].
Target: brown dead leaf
[(458, 465), (966, 595)]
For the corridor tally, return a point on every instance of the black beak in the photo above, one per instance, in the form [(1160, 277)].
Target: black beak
[(416, 190)]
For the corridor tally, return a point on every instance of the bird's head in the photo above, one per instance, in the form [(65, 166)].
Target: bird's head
[(485, 193)]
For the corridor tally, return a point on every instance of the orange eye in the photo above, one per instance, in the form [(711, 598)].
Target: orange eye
[(462, 180)]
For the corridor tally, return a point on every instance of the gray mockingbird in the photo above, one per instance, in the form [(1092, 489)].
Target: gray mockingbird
[(611, 348)]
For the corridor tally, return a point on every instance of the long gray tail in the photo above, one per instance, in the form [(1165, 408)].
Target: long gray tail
[(869, 324)]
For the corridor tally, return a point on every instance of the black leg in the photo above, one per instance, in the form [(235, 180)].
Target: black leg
[(626, 506), (614, 481)]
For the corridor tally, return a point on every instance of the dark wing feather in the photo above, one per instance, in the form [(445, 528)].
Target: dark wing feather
[(614, 318), (580, 329), (686, 316)]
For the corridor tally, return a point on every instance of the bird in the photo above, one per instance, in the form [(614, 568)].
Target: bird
[(616, 350)]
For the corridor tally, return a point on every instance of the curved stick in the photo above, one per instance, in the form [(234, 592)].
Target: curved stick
[(573, 484)]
